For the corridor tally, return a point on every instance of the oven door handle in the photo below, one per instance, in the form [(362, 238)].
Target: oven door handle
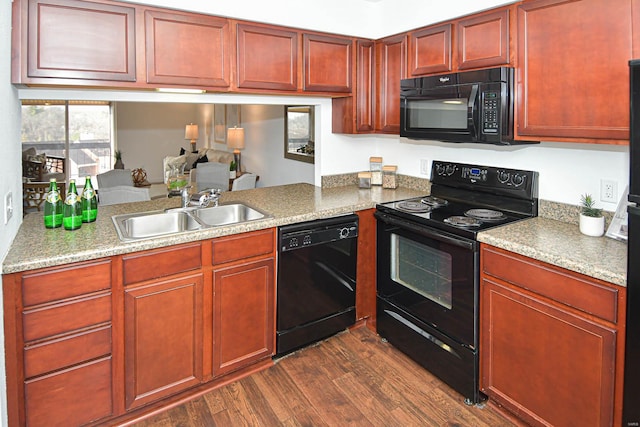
[(423, 231)]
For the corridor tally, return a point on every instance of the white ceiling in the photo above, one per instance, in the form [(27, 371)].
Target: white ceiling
[(363, 18)]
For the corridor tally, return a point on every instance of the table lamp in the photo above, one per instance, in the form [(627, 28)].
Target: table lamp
[(235, 140), (191, 132)]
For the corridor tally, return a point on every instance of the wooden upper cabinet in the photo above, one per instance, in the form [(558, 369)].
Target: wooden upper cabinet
[(187, 49), (365, 85), (267, 58), (573, 77), (71, 39), (327, 63), (484, 40), (431, 50), (391, 67), (356, 114)]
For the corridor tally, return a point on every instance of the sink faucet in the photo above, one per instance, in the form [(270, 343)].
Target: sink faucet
[(185, 196), (203, 198)]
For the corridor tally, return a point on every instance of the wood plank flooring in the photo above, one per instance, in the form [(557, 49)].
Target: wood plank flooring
[(351, 379)]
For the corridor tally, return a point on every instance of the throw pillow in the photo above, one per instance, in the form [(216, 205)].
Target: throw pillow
[(202, 159)]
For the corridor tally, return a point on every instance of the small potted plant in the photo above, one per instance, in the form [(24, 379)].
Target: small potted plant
[(591, 218), (232, 170)]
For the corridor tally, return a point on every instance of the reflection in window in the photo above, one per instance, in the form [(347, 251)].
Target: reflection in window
[(78, 131), (299, 133)]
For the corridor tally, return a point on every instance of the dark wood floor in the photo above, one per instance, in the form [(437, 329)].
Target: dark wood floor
[(351, 379)]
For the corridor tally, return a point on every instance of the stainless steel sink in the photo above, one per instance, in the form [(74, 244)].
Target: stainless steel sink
[(228, 214), (146, 225)]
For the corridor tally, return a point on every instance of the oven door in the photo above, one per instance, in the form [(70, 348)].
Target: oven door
[(447, 113), (431, 274)]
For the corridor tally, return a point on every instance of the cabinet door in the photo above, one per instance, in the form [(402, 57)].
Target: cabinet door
[(327, 63), (267, 58), (431, 50), (573, 69), (559, 357), (391, 66), (163, 338), (356, 114), (243, 319), (483, 40), (187, 49), (365, 85), (81, 40)]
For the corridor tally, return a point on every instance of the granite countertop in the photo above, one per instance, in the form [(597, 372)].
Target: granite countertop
[(561, 244), (35, 246), (549, 240)]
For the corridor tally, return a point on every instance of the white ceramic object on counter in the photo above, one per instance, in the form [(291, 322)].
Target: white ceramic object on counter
[(592, 226)]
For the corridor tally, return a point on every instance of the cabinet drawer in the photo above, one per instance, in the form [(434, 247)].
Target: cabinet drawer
[(241, 246), (65, 282), (560, 285), (76, 396), (72, 350), (66, 317), (161, 262)]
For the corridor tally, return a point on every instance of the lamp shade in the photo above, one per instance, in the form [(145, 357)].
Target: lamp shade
[(191, 132), (235, 138)]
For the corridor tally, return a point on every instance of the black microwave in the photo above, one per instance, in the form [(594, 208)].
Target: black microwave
[(471, 106)]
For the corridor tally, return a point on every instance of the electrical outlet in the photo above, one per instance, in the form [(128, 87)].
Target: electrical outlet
[(8, 207), (424, 166), (608, 191)]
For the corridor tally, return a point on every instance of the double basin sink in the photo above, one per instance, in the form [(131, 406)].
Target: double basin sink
[(150, 224)]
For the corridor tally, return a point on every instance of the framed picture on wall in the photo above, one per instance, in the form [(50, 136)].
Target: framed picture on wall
[(220, 123), (233, 115)]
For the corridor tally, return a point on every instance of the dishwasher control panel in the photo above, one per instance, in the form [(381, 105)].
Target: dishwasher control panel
[(317, 232)]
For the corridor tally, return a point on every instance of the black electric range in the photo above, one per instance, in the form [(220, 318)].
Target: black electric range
[(466, 199)]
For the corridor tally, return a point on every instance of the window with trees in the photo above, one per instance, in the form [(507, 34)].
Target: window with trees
[(299, 133), (81, 132)]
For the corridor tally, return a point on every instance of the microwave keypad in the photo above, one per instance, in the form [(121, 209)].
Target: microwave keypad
[(490, 105)]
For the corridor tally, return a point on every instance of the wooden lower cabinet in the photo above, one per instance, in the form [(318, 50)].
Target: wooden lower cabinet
[(110, 340), (163, 338), (243, 322), (548, 361)]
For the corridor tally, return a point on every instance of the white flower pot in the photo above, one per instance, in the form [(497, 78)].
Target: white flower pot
[(592, 226)]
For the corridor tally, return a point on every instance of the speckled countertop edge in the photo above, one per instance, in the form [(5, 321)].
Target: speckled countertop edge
[(561, 244), (36, 247), (553, 237)]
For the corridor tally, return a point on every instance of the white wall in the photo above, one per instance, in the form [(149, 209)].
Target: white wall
[(264, 148), (566, 170), (10, 172), (365, 18), (146, 132)]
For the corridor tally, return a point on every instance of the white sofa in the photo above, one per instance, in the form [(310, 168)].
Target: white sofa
[(188, 159)]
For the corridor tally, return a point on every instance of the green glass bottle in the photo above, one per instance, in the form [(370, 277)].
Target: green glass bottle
[(89, 202), (53, 206), (72, 217)]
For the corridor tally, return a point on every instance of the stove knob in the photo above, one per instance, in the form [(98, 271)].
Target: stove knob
[(440, 168), (344, 233), (450, 169), (503, 176), (517, 179)]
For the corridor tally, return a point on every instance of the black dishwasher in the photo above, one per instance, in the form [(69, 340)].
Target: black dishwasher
[(316, 280)]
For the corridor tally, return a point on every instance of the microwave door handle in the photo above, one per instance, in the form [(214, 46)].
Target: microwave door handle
[(472, 109)]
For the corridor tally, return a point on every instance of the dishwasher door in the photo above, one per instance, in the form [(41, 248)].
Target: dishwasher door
[(316, 281)]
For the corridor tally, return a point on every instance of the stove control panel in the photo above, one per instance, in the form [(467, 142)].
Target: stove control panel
[(505, 181)]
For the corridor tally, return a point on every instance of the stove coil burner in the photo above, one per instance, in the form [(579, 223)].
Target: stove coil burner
[(413, 206), (485, 214), (462, 221), (436, 202)]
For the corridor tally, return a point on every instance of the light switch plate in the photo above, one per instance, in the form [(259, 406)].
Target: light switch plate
[(8, 206)]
